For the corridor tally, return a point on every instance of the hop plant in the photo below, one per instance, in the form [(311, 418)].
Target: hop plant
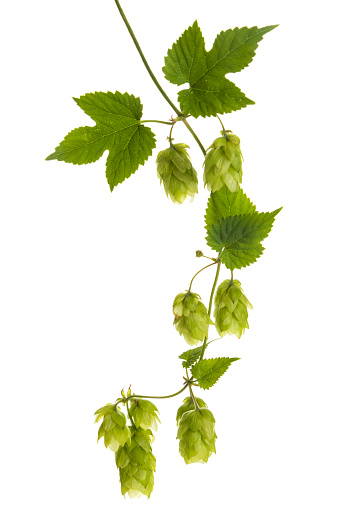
[(191, 317), (144, 414), (196, 435), (188, 404), (223, 163), (175, 171), (230, 310), (113, 427), (136, 464)]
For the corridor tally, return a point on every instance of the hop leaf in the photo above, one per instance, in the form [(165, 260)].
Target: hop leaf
[(223, 164), (118, 129), (136, 464), (230, 310), (176, 173), (191, 317), (144, 414), (208, 371), (113, 427), (196, 434)]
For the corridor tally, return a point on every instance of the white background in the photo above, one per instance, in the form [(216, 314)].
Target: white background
[(88, 277)]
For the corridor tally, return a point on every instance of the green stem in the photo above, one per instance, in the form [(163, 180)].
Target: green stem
[(210, 265), (129, 414), (157, 121), (161, 90), (210, 307), (191, 393), (156, 397), (194, 136)]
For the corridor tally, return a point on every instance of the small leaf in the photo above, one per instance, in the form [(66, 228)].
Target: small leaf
[(209, 91), (224, 203), (118, 130), (208, 371), (190, 356), (238, 238)]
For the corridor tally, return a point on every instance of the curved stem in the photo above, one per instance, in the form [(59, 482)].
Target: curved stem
[(157, 397), (194, 136), (129, 414), (157, 121), (210, 307), (155, 81), (210, 265)]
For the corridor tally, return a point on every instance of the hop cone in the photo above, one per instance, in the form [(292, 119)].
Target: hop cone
[(113, 427), (191, 317), (230, 310), (144, 414), (175, 171), (136, 464), (188, 404), (223, 163), (196, 435)]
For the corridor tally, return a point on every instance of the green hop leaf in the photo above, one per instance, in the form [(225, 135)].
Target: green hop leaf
[(210, 92), (208, 371), (238, 239), (230, 310), (118, 129), (176, 173), (224, 203), (196, 434), (190, 356)]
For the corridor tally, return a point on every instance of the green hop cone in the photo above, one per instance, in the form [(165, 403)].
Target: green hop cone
[(196, 435), (188, 404), (144, 414), (191, 317), (230, 310), (175, 171), (223, 163), (136, 464), (113, 427)]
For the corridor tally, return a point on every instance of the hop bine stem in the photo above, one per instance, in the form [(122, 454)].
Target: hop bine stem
[(210, 307), (155, 81)]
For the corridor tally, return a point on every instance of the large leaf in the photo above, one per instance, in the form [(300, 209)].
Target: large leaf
[(224, 203), (238, 238), (118, 129), (210, 92), (208, 371)]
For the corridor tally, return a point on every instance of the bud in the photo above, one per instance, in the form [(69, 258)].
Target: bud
[(175, 171), (196, 435), (191, 317), (230, 310), (113, 427), (136, 464), (199, 253), (188, 404), (223, 163), (144, 414)]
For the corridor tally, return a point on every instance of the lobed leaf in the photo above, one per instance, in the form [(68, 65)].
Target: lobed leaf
[(210, 92), (118, 130), (224, 203), (190, 356)]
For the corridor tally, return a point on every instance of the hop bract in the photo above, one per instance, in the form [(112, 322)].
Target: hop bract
[(144, 414), (191, 317), (113, 427), (136, 464), (175, 171), (196, 435), (230, 310), (188, 404), (223, 163)]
